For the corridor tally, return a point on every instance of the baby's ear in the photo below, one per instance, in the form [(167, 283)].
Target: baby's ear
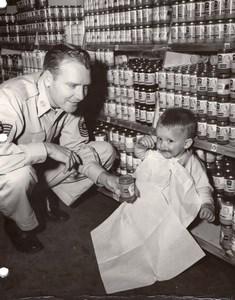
[(188, 143)]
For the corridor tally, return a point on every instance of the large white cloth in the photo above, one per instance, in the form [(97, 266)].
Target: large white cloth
[(147, 241)]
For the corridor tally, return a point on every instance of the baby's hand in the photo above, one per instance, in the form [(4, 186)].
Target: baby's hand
[(206, 213), (147, 142)]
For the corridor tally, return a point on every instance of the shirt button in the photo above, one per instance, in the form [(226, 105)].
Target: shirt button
[(43, 103)]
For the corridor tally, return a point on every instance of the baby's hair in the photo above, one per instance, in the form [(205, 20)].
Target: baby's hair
[(179, 117)]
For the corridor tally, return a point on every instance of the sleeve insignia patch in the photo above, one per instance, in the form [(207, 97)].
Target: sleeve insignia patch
[(4, 131), (83, 128)]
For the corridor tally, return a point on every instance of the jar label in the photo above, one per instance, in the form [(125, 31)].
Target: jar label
[(229, 185), (218, 182), (226, 212)]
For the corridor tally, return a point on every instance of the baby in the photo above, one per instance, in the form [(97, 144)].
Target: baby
[(176, 129)]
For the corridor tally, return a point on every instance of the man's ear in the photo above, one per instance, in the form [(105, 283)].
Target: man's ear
[(47, 78), (188, 143)]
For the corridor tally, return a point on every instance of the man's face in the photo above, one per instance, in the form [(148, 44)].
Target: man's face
[(171, 142), (69, 86)]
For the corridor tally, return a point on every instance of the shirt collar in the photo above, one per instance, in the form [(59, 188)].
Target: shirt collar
[(43, 101)]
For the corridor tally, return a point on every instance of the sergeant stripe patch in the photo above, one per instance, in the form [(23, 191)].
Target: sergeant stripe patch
[(4, 131)]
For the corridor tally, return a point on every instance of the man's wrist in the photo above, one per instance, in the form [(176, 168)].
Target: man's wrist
[(102, 179)]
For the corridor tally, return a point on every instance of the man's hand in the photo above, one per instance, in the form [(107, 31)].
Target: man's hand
[(64, 155), (111, 182)]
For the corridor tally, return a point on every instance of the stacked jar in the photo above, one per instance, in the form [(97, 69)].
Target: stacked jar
[(197, 21), (132, 91), (10, 66), (178, 87), (124, 141), (145, 89), (127, 22), (120, 101)]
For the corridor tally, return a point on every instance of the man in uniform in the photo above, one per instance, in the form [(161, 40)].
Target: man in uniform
[(37, 110)]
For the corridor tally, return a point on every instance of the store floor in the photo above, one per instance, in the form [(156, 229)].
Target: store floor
[(66, 268)]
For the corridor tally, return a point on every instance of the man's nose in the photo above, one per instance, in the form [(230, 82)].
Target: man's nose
[(79, 93)]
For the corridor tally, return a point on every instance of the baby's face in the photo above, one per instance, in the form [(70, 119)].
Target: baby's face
[(171, 142)]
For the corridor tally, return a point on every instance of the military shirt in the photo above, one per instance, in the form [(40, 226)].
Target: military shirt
[(27, 120)]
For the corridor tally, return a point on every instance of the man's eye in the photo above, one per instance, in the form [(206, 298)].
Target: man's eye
[(169, 141)]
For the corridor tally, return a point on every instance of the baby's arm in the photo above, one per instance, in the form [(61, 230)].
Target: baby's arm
[(143, 144), (207, 212), (204, 189)]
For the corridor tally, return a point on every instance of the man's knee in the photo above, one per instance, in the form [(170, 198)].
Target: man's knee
[(22, 178)]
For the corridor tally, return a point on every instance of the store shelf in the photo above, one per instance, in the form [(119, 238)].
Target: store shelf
[(129, 47), (207, 235), (127, 124), (201, 144), (189, 48), (200, 47), (213, 147), (24, 47)]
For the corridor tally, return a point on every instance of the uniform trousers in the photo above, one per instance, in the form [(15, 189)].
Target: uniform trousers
[(17, 186)]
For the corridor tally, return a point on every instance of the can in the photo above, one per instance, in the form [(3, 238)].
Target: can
[(127, 189)]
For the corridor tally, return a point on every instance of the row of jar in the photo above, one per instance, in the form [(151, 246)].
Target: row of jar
[(194, 80), (143, 114), (128, 35), (49, 25), (48, 38), (49, 12), (146, 15), (187, 11), (100, 5), (200, 32), (216, 108), (30, 4)]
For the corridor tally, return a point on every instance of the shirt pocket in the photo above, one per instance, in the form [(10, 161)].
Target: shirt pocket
[(32, 137)]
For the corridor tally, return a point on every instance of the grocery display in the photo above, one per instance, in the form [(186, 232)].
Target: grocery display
[(140, 87)]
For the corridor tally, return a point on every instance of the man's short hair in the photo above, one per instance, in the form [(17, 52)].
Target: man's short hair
[(60, 52), (179, 117)]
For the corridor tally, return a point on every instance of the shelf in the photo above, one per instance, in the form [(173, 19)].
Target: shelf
[(24, 47), (127, 124), (200, 47), (216, 148), (201, 144), (189, 48), (129, 47), (206, 234)]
